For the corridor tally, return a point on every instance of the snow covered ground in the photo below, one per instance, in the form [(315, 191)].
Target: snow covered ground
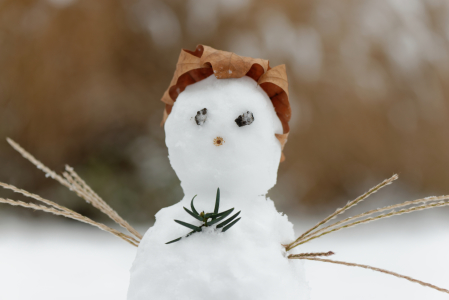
[(50, 259)]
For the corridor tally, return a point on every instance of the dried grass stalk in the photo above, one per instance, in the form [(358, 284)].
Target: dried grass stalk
[(73, 182), (31, 195), (313, 254), (366, 217), (382, 216), (379, 210), (375, 269), (78, 183), (70, 214), (344, 208)]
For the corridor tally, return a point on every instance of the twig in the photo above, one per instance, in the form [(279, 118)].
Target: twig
[(367, 220), (31, 195), (75, 184), (313, 254), (78, 183), (378, 270), (344, 208), (379, 210), (72, 215)]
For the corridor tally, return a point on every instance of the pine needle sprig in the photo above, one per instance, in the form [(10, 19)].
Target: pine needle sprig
[(208, 219)]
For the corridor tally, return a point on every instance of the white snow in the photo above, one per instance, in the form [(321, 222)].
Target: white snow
[(245, 262), (46, 258), (247, 163), (248, 261)]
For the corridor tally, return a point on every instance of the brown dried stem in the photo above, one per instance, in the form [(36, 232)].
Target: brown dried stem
[(37, 163), (311, 234), (344, 208), (73, 182), (382, 216), (313, 254), (31, 195), (69, 214), (376, 269), (379, 210), (79, 184)]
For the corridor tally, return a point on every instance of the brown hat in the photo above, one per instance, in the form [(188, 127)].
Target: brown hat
[(194, 66)]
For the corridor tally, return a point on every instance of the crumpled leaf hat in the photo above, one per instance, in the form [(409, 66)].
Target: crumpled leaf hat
[(194, 66)]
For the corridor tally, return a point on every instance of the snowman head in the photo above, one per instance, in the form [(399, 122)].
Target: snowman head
[(226, 130)]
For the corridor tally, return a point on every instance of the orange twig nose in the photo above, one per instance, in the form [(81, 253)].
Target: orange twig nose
[(218, 141)]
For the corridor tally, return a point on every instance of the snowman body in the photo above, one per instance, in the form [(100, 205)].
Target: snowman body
[(210, 149)]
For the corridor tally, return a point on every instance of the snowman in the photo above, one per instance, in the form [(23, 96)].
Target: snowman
[(226, 121)]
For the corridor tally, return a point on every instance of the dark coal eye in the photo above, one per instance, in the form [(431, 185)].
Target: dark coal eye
[(245, 119), (201, 116)]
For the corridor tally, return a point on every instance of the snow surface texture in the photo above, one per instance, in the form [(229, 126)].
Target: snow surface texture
[(247, 261)]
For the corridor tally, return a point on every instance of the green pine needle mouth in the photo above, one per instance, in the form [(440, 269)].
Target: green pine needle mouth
[(209, 219)]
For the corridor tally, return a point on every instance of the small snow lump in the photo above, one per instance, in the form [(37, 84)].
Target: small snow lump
[(201, 116), (245, 119)]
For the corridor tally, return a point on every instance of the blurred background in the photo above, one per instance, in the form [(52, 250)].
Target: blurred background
[(81, 82)]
